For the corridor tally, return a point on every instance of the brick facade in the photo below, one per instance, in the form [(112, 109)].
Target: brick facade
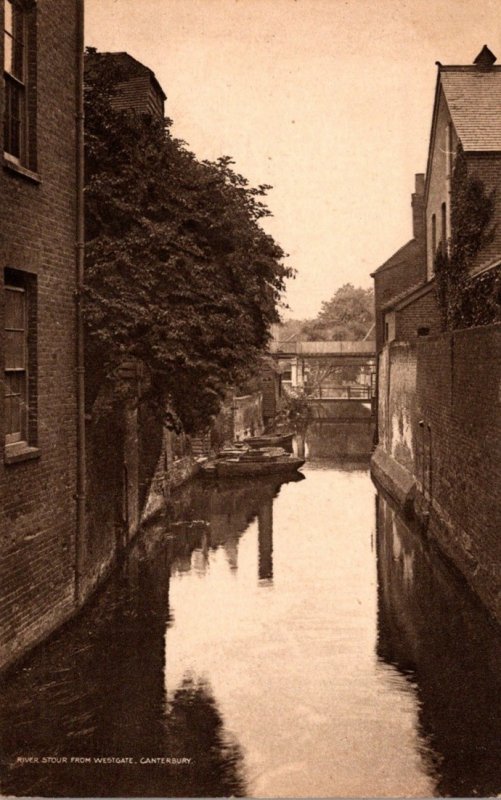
[(406, 268), (37, 238), (419, 311), (439, 419)]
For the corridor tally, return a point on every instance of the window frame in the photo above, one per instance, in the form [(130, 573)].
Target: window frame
[(19, 146), (443, 225), (20, 444), (16, 86), (20, 437)]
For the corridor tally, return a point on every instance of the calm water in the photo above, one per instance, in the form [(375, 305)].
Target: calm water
[(289, 639)]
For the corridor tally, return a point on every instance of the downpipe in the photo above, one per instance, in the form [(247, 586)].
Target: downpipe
[(80, 539)]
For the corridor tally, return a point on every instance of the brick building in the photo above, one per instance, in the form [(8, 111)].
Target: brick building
[(137, 88), (466, 112), (404, 271), (40, 479), (439, 437)]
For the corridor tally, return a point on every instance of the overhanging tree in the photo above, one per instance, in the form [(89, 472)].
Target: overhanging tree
[(180, 276)]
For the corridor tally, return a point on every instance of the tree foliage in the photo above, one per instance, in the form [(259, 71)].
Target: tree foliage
[(180, 276), (349, 314), (471, 229)]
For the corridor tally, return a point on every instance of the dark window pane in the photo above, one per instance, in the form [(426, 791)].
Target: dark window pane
[(14, 350), (15, 425), (14, 109), (14, 308), (16, 410)]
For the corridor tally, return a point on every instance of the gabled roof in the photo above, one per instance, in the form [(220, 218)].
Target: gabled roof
[(473, 96), (401, 257)]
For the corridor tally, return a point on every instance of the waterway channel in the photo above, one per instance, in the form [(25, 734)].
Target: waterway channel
[(267, 639)]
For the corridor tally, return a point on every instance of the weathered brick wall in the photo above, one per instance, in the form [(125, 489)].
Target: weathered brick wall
[(399, 424), (37, 235), (459, 399), (439, 417), (422, 312)]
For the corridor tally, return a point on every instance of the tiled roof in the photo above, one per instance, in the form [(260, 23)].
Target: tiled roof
[(402, 256), (473, 96), (129, 67)]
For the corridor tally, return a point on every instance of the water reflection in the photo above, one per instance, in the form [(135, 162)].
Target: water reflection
[(265, 542), (436, 634), (97, 689), (255, 632)]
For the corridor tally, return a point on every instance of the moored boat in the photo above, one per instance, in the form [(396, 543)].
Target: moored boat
[(273, 465), (271, 440)]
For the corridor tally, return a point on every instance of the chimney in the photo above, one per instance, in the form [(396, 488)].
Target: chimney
[(418, 226), (485, 59)]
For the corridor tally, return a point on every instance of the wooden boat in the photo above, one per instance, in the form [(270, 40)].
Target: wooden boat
[(273, 465), (271, 440)]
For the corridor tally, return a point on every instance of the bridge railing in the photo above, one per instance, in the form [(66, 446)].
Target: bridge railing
[(337, 348), (340, 393)]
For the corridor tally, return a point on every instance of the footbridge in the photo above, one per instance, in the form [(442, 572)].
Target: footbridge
[(337, 370)]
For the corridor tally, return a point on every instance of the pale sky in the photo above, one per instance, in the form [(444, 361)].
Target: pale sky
[(329, 101)]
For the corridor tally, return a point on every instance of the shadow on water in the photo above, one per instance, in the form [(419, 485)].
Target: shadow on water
[(97, 689), (436, 634)]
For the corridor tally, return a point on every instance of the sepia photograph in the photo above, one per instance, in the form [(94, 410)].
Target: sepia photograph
[(250, 338)]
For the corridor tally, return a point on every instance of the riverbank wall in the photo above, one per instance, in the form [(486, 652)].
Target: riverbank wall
[(439, 446), (133, 464)]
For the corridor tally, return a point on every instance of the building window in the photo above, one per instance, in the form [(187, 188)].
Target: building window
[(18, 64), (19, 354), (449, 155), (443, 235)]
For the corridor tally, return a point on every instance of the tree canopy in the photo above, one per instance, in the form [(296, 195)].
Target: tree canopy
[(180, 276), (349, 314)]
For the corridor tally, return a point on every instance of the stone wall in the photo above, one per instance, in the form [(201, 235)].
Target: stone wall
[(439, 449)]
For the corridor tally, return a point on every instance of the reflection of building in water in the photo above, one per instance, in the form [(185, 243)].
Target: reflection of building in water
[(98, 689), (434, 631), (265, 540), (351, 440)]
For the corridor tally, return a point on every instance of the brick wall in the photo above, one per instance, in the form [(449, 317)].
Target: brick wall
[(439, 418), (423, 312), (37, 235)]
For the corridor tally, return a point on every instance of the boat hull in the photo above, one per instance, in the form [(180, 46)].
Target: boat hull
[(280, 440), (237, 469)]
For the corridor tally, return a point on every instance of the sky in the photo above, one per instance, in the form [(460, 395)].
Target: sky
[(329, 101)]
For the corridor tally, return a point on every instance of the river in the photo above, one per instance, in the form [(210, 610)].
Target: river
[(267, 639)]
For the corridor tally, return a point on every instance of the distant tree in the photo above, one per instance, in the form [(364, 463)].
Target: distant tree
[(349, 314), (291, 329), (180, 276)]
